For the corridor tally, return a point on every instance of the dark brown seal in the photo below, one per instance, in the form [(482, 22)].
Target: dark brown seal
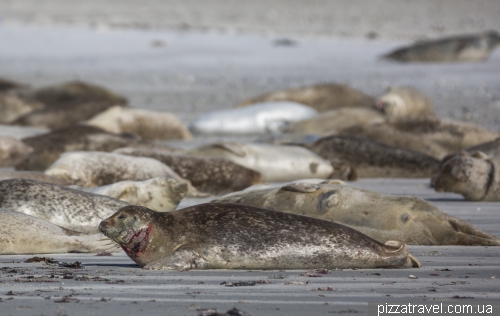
[(234, 236)]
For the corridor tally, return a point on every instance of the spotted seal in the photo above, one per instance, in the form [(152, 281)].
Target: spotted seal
[(321, 97), (383, 217), (12, 151), (24, 234), (474, 47), (215, 175), (400, 102), (235, 236), (147, 124), (65, 207)]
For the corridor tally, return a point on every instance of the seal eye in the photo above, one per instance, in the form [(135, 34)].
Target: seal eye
[(122, 217)]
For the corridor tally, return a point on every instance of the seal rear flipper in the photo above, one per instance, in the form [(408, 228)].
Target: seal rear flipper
[(401, 257), (181, 260), (468, 235)]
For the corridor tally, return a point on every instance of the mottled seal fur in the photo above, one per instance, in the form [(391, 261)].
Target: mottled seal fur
[(373, 159), (147, 124), (474, 47), (92, 168), (30, 175), (321, 97), (24, 234), (48, 147), (476, 177), (234, 236), (65, 207), (159, 194), (402, 102), (12, 151), (383, 217), (276, 163), (388, 135), (257, 118), (214, 175), (12, 107), (451, 135), (340, 118)]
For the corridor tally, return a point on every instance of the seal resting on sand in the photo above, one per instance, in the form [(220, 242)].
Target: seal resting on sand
[(234, 236), (404, 102)]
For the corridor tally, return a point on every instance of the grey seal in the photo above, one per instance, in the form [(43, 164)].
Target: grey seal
[(24, 234), (235, 236), (400, 102), (383, 217), (65, 207)]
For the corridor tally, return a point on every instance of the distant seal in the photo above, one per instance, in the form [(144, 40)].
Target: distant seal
[(388, 135), (65, 207), (259, 118), (276, 163), (383, 217), (93, 168), (13, 107), (321, 97), (451, 135), (475, 176), (214, 175), (159, 194), (373, 159), (332, 120), (475, 47), (12, 151), (6, 85), (147, 124), (30, 175), (24, 234), (400, 102), (48, 147), (234, 236), (489, 149)]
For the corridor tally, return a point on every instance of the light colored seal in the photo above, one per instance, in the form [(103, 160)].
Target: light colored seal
[(62, 206), (451, 135), (13, 107), (329, 121), (214, 175), (12, 151), (92, 168), (383, 217), (475, 176), (475, 47), (259, 118), (147, 124), (234, 236), (24, 234), (30, 175), (321, 97), (400, 102), (48, 147), (276, 163), (388, 135), (372, 159), (159, 194)]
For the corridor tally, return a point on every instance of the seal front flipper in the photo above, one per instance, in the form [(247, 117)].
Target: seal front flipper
[(182, 260)]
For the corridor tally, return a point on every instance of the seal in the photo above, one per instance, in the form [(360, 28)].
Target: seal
[(159, 194), (332, 120), (30, 175), (489, 149), (373, 159), (12, 151), (382, 217), (321, 97), (476, 176), (6, 85), (461, 48), (93, 168), (62, 206), (24, 234), (259, 118), (68, 104), (149, 125), (214, 175), (388, 135), (400, 102), (48, 147), (235, 236), (13, 107), (275, 163)]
